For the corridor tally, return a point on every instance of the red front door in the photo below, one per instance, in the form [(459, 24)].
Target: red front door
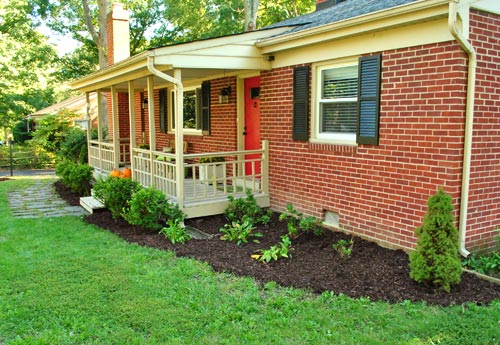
[(252, 123)]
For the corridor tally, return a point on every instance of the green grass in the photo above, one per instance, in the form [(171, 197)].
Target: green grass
[(65, 282)]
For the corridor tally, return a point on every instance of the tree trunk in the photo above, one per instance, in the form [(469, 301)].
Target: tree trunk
[(251, 7), (99, 34)]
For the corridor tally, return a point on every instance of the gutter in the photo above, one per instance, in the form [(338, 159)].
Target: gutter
[(179, 135), (469, 121)]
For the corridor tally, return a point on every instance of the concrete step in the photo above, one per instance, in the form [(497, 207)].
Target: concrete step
[(91, 204)]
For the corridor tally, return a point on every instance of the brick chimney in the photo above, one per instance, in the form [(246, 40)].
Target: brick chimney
[(322, 4), (118, 33)]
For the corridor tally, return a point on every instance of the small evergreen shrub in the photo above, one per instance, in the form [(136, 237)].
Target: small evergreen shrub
[(77, 177), (435, 262), (115, 193), (149, 208)]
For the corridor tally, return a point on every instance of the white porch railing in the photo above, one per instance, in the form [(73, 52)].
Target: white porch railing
[(102, 155)]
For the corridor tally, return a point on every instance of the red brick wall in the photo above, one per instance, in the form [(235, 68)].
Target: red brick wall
[(484, 197), (379, 192)]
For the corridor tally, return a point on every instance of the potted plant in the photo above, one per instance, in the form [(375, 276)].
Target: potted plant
[(211, 169)]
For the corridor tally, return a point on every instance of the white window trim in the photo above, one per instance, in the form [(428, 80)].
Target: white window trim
[(171, 97), (327, 138)]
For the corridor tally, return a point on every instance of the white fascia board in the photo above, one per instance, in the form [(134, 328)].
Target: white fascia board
[(196, 61), (397, 16), (491, 6), (136, 66)]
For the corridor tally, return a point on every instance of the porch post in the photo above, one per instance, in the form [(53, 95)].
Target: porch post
[(116, 129), (179, 140), (88, 119), (99, 126), (152, 133), (131, 111), (265, 167)]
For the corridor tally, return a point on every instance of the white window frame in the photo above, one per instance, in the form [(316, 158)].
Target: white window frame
[(316, 135), (171, 100)]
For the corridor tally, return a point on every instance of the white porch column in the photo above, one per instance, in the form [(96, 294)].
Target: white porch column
[(152, 133), (131, 111), (116, 129), (99, 126), (265, 167), (88, 119), (179, 140)]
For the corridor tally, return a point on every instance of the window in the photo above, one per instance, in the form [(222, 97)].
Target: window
[(337, 103), (196, 109), (345, 107)]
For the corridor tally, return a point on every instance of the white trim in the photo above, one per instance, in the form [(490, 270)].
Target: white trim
[(171, 97)]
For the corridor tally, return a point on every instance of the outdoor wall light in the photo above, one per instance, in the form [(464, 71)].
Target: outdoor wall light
[(224, 94), (145, 103)]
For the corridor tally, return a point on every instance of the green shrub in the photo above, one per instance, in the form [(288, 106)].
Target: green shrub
[(485, 264), (281, 250), (435, 261), (150, 209), (77, 177), (175, 232), (115, 192), (239, 232), (297, 223), (74, 146), (344, 247), (241, 209)]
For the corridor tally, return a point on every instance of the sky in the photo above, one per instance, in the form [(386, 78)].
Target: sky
[(64, 43)]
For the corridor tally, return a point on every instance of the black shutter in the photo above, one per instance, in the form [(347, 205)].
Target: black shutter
[(205, 107), (163, 110), (368, 99), (300, 126)]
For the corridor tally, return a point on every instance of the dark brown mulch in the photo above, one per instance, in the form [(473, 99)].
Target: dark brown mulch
[(371, 271), (4, 179)]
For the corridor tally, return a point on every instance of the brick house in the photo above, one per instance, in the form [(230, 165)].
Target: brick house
[(355, 113)]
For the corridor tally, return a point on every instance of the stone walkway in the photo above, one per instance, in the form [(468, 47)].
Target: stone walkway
[(41, 200)]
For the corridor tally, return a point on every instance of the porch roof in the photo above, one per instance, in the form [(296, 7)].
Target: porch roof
[(198, 60)]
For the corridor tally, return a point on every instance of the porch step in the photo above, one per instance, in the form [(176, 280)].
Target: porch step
[(91, 204)]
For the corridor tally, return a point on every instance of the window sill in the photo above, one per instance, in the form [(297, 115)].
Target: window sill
[(189, 133), (332, 146)]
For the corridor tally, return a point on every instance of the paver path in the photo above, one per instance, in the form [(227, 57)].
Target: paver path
[(40, 200)]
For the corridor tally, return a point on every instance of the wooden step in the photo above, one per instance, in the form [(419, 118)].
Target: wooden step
[(91, 204)]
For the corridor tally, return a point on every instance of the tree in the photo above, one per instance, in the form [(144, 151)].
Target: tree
[(251, 8), (435, 261), (27, 64)]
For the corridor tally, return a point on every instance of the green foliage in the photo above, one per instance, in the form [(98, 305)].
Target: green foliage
[(74, 146), (175, 232), (297, 223), (239, 232), (344, 247), (485, 264), (20, 131), (77, 177), (281, 250), (150, 209), (52, 130), (435, 261), (241, 209), (115, 193)]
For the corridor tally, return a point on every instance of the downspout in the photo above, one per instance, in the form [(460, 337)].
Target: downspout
[(469, 120), (179, 136)]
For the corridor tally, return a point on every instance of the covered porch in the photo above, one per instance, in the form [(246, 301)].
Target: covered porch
[(196, 177)]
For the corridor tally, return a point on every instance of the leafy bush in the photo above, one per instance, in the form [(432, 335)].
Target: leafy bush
[(150, 209), (344, 247), (175, 232), (239, 232), (276, 252), (77, 177), (298, 224), (241, 209), (485, 264), (435, 261), (115, 193), (51, 131), (74, 146)]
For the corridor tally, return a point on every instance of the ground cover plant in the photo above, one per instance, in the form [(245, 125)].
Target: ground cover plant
[(63, 281)]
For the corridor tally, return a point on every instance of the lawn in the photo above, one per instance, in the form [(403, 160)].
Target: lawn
[(63, 281)]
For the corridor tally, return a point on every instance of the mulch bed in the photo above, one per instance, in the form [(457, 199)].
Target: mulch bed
[(371, 271)]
